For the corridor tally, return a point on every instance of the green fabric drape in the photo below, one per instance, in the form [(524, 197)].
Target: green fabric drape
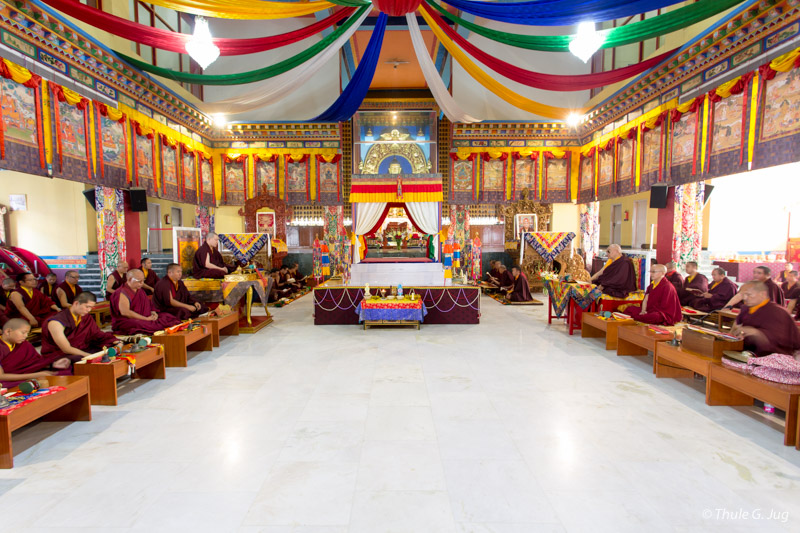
[(252, 75), (630, 33), (349, 3)]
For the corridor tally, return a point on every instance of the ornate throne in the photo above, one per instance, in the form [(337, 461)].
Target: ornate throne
[(282, 212)]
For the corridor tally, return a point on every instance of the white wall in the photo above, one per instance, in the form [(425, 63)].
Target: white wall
[(566, 217), (750, 211)]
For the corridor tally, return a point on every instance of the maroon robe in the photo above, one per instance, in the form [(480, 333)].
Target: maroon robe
[(775, 292), (505, 279), (782, 277), (69, 292), (494, 273), (699, 282), (199, 269), (674, 277), (151, 279), (619, 278), (23, 359), (119, 281), (48, 290), (782, 335), (139, 303), (663, 305), (85, 336), (521, 291), (38, 304), (4, 298), (165, 289), (721, 293), (791, 293)]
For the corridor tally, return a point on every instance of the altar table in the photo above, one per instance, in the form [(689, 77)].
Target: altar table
[(391, 311)]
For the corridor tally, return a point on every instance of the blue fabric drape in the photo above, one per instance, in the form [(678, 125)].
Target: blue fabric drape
[(558, 12), (349, 101)]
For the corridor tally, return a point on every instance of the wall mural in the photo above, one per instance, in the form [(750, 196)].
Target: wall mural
[(727, 132), (683, 139), (781, 112), (19, 112)]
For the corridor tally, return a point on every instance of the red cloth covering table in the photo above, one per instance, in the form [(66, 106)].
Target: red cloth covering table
[(336, 304), (393, 310), (573, 297)]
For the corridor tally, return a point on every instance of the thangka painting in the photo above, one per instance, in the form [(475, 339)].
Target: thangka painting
[(781, 111), (683, 139), (144, 164), (266, 179), (19, 113), (651, 159), (187, 243), (113, 150), (73, 136), (727, 132), (206, 181), (586, 179), (525, 177), (188, 177), (462, 179), (169, 172), (233, 179), (625, 169), (492, 180), (328, 179), (265, 223), (557, 180), (606, 170), (297, 181)]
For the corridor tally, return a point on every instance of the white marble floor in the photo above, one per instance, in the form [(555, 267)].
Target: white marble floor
[(507, 427)]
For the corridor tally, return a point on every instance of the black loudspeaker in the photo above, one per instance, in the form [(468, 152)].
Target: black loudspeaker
[(91, 197), (709, 189), (658, 196), (138, 199)]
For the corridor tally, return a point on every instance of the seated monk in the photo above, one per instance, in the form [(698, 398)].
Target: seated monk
[(661, 304), (519, 291), (285, 279), (8, 287), (294, 272), (504, 279), (278, 291), (116, 279), (48, 286), (73, 333), (173, 297), (493, 275), (68, 289), (761, 274), (674, 277), (787, 268), (617, 278), (132, 311), (19, 360), (150, 277), (693, 286), (208, 262), (721, 291), (765, 326), (791, 291), (29, 303)]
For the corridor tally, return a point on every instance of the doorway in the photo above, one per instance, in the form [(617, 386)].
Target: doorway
[(639, 224), (177, 217), (616, 224), (153, 228)]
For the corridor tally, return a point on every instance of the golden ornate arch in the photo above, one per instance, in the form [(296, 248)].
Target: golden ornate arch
[(409, 151)]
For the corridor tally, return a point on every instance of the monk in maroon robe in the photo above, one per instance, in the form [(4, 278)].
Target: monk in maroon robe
[(693, 286), (617, 278), (29, 303), (520, 292), (787, 268), (791, 291), (49, 285), (73, 333), (493, 274), (761, 274), (661, 304), (674, 277), (504, 280), (68, 289), (116, 279), (719, 293), (19, 360), (7, 288), (765, 326), (172, 296), (150, 277), (132, 311), (208, 262)]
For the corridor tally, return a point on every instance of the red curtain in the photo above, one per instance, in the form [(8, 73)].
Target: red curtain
[(386, 213), (397, 8)]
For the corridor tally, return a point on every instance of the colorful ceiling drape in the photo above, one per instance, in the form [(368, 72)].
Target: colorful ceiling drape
[(349, 101), (237, 9)]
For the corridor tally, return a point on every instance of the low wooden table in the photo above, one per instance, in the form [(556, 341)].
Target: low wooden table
[(722, 315), (594, 327), (638, 340), (372, 323), (176, 345), (728, 386), (103, 376), (100, 311), (225, 325), (68, 405), (675, 362)]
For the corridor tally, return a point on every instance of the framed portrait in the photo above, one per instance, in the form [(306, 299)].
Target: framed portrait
[(525, 223)]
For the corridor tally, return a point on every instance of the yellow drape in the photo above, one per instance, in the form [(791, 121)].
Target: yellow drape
[(71, 96), (493, 85), (18, 74), (751, 133), (705, 126), (244, 9), (785, 63)]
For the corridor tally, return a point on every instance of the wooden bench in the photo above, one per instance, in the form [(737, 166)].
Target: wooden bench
[(103, 376), (728, 386), (176, 345), (639, 340), (595, 327), (100, 311), (694, 356), (224, 325), (68, 405)]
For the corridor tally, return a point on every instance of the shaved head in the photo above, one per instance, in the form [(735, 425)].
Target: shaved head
[(15, 324), (134, 272)]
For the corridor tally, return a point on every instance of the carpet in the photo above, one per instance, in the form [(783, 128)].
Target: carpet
[(396, 260), (498, 297), (286, 301)]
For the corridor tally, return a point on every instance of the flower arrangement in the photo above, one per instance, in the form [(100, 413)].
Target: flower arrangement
[(548, 275)]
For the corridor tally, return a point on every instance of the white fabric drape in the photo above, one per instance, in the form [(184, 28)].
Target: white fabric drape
[(275, 89), (427, 217), (449, 106), (367, 215)]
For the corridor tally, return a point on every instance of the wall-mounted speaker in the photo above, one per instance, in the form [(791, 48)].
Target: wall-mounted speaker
[(658, 196), (138, 200)]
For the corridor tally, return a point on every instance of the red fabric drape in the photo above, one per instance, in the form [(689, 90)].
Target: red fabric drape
[(34, 83), (548, 82), (397, 8), (385, 213), (176, 42)]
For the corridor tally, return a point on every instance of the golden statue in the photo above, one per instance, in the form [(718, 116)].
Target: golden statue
[(395, 167)]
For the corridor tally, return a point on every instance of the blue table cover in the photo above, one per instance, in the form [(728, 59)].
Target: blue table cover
[(391, 314)]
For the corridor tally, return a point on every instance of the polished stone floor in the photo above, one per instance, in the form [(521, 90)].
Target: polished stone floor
[(507, 427)]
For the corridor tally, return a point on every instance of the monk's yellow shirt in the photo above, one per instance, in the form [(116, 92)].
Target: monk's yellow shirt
[(757, 307)]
